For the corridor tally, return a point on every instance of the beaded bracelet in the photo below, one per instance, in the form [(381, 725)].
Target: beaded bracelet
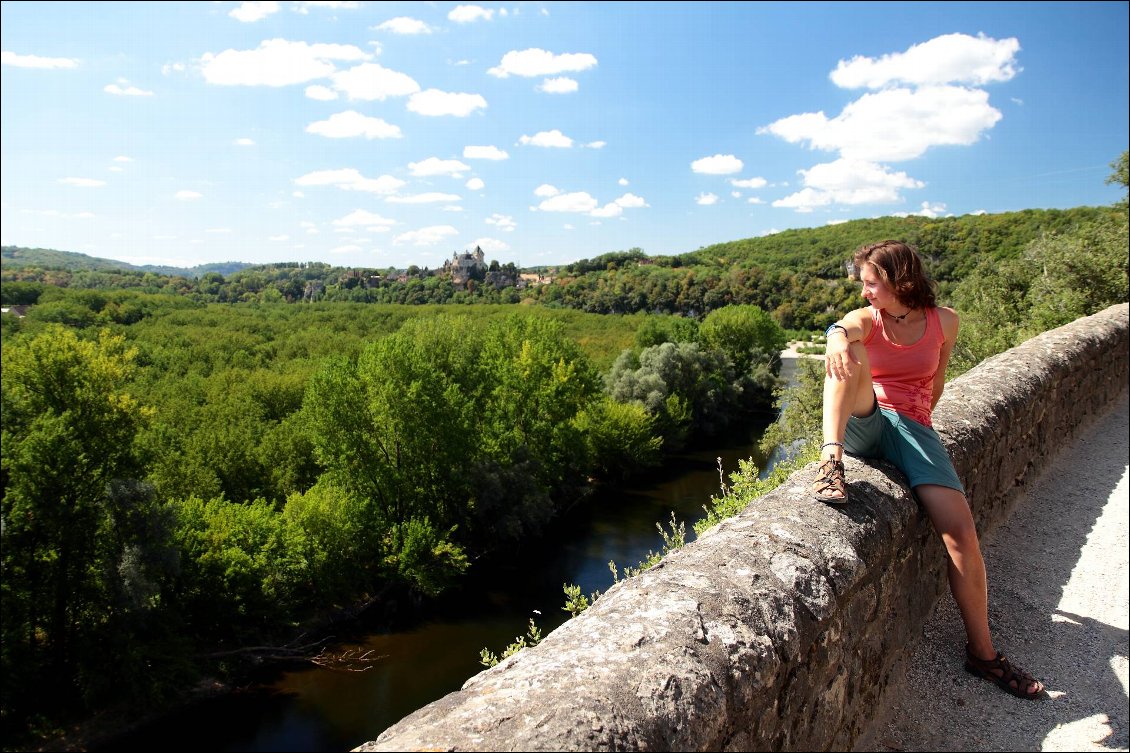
[(831, 327)]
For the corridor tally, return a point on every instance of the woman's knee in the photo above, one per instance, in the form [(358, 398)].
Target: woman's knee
[(961, 538), (950, 513)]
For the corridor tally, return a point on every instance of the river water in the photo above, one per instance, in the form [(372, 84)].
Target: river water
[(314, 709)]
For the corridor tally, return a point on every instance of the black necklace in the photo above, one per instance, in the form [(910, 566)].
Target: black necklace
[(899, 318)]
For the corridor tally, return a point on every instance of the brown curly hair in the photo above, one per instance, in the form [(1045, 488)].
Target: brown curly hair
[(900, 268)]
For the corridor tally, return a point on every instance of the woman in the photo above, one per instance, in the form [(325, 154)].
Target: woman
[(885, 372)]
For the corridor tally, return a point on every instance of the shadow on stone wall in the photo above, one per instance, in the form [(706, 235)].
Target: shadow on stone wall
[(781, 628)]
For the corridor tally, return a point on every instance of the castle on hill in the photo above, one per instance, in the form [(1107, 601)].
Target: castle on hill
[(465, 266)]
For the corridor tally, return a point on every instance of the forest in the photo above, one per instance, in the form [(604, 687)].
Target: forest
[(194, 466)]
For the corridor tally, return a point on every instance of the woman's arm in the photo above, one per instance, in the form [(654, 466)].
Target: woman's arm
[(950, 324), (839, 361)]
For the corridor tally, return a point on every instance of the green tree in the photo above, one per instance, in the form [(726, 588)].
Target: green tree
[(1121, 175), (68, 435), (744, 333)]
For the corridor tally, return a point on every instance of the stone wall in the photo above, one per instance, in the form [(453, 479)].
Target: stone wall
[(780, 628)]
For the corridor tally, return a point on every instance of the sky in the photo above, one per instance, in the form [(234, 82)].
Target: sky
[(380, 134)]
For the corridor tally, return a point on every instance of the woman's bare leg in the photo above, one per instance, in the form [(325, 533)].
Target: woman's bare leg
[(949, 512), (853, 395), (952, 519)]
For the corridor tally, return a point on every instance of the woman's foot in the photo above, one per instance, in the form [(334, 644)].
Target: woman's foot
[(830, 485), (1010, 678)]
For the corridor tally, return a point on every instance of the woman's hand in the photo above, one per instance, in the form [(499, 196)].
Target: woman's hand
[(839, 360)]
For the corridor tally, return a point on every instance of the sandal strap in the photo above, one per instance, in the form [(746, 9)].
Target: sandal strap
[(830, 476), (1009, 673)]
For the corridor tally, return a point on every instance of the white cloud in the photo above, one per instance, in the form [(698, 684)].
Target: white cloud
[(123, 158), (631, 201), (561, 85), (304, 7), (719, 164), (276, 62), (484, 152), (83, 182), (706, 199), (948, 59), (847, 182), (218, 230), (978, 212), (545, 190), (894, 124), (362, 217), (370, 81), (503, 222), (612, 209), (124, 89), (187, 195), (596, 144), (427, 236), (437, 166), (490, 245), (579, 201), (251, 12), (349, 248), (321, 93), (350, 179), (244, 142), (537, 62), (434, 102), (933, 211), (405, 25), (116, 169), (424, 198), (35, 61), (475, 184), (749, 183), (752, 199), (351, 123), (279, 238), (552, 138), (623, 181), (465, 14)]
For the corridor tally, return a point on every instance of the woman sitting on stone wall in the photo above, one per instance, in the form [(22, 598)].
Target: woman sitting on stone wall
[(886, 367)]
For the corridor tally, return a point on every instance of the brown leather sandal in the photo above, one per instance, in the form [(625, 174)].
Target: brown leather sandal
[(830, 479), (1008, 677)]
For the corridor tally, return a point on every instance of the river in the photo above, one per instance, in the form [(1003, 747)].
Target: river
[(315, 709)]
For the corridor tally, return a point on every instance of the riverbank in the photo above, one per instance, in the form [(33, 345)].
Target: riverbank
[(310, 708), (793, 350)]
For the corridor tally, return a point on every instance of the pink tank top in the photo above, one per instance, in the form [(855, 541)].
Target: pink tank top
[(903, 375)]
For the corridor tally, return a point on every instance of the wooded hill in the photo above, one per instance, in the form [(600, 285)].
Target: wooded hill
[(15, 257), (799, 276)]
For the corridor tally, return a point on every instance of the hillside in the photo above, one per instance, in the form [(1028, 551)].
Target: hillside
[(16, 257)]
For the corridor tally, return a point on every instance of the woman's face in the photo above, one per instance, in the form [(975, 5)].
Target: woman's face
[(877, 292)]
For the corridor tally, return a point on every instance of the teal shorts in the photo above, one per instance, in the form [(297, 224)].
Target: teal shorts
[(916, 449)]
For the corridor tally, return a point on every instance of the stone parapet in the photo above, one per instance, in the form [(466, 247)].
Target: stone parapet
[(781, 628)]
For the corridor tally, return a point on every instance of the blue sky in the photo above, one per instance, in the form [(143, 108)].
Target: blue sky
[(387, 134)]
